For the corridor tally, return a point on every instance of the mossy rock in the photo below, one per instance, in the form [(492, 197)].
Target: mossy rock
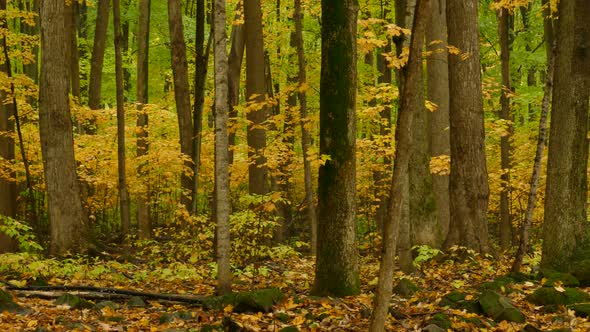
[(530, 328), (500, 285), (109, 304), (549, 295), (499, 308), (581, 309), (520, 276), (254, 301), (136, 302), (554, 278), (405, 287), (581, 271), (433, 328), (73, 301), (440, 320), (283, 317), (457, 300), (8, 304), (211, 328), (289, 329)]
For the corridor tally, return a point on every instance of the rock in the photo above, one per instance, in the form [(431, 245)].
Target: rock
[(289, 329), (581, 310), (581, 270), (254, 301), (530, 328), (500, 285), (73, 301), (440, 320), (554, 278), (520, 276), (211, 328), (136, 302), (433, 328), (457, 300), (109, 304), (283, 317), (8, 304), (550, 295), (499, 307), (231, 326), (405, 288)]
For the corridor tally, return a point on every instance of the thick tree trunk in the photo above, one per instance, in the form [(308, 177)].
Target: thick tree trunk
[(143, 41), (438, 93), (504, 19), (236, 55), (399, 186), (255, 91), (123, 193), (8, 193), (98, 48), (182, 96), (66, 214), (337, 270), (469, 192), (224, 274), (310, 207), (565, 226)]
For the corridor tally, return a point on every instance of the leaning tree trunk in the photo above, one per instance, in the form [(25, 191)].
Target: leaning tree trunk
[(66, 214), (255, 90), (566, 225), (337, 269), (123, 193), (438, 93), (143, 39), (182, 96), (399, 187), (224, 274), (469, 191)]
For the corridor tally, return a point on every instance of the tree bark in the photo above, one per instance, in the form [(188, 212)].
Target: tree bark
[(98, 48), (143, 41), (399, 187), (236, 55), (565, 226), (469, 192), (123, 193), (74, 58), (310, 206), (255, 92), (438, 93), (337, 270), (66, 214), (224, 274), (182, 96)]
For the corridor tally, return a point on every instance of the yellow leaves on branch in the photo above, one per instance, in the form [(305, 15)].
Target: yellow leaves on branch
[(511, 5)]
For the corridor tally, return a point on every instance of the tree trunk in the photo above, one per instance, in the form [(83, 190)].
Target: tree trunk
[(469, 192), (182, 96), (504, 19), (31, 69), (66, 214), (8, 193), (224, 274), (311, 215), (143, 41), (98, 48), (72, 31), (236, 55), (255, 91), (399, 187), (123, 193), (337, 270), (438, 93), (565, 226)]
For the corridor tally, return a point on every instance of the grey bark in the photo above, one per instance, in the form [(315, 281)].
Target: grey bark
[(236, 55), (98, 48)]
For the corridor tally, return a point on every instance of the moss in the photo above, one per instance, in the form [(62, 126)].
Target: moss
[(254, 301), (440, 320), (549, 295), (499, 308), (73, 301), (581, 270), (457, 300), (500, 284), (405, 287), (562, 278), (581, 310), (7, 304)]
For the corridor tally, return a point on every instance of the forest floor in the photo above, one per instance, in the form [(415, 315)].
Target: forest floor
[(297, 311)]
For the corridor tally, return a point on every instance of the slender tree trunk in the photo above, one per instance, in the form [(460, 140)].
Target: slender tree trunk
[(438, 93), (504, 19), (236, 55), (311, 215), (98, 48), (224, 274), (565, 227), (123, 193), (8, 193), (31, 69), (72, 29), (143, 41), (337, 270), (469, 192), (201, 61), (255, 91), (182, 96), (66, 214), (399, 187)]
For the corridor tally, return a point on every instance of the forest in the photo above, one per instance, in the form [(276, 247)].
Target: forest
[(294, 165)]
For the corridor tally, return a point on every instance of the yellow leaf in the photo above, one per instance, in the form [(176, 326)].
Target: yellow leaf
[(559, 289), (229, 308), (431, 106), (453, 50), (298, 320)]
